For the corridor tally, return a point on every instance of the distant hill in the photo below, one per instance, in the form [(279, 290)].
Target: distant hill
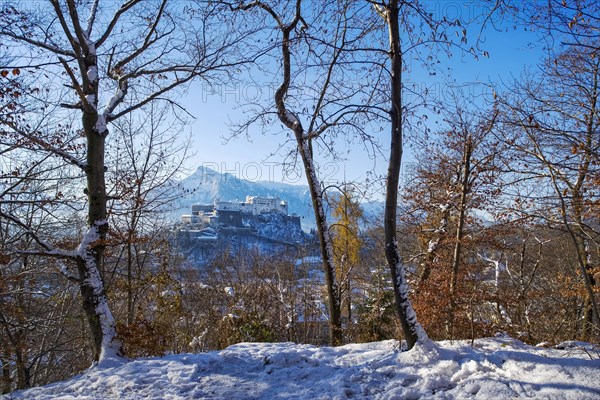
[(206, 185)]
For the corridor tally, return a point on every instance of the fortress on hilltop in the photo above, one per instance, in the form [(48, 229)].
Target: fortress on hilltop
[(258, 223)]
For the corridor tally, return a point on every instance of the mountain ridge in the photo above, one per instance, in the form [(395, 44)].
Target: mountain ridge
[(206, 185)]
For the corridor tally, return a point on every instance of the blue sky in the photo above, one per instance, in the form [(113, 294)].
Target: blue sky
[(510, 51)]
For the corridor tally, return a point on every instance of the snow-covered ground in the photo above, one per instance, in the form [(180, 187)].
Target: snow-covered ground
[(493, 368)]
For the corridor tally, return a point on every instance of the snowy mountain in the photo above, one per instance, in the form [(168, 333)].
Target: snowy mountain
[(206, 185), (491, 368)]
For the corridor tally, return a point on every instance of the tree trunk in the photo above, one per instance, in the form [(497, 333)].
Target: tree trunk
[(6, 381), (303, 142), (349, 299), (433, 246), (333, 291), (411, 328), (459, 235), (130, 304), (90, 261), (589, 281), (23, 375)]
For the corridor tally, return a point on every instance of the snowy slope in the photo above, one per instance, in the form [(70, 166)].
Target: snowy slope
[(493, 368), (276, 226)]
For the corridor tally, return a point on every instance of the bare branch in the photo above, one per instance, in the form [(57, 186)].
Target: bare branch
[(49, 250), (114, 21)]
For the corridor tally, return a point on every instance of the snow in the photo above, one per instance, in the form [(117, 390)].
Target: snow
[(116, 99), (91, 236), (110, 346), (291, 117), (406, 305), (308, 260), (493, 368), (92, 74), (433, 244), (101, 124), (90, 99)]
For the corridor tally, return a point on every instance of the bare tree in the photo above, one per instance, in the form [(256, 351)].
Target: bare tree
[(146, 155), (457, 176), (109, 60), (553, 118), (326, 45), (413, 332), (562, 23), (473, 167), (411, 27)]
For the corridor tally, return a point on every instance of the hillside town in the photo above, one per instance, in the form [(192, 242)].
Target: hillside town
[(235, 228), (230, 213)]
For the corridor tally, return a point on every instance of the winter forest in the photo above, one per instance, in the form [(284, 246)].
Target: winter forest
[(457, 277)]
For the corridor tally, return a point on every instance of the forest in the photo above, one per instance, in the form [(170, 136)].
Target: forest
[(495, 229)]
